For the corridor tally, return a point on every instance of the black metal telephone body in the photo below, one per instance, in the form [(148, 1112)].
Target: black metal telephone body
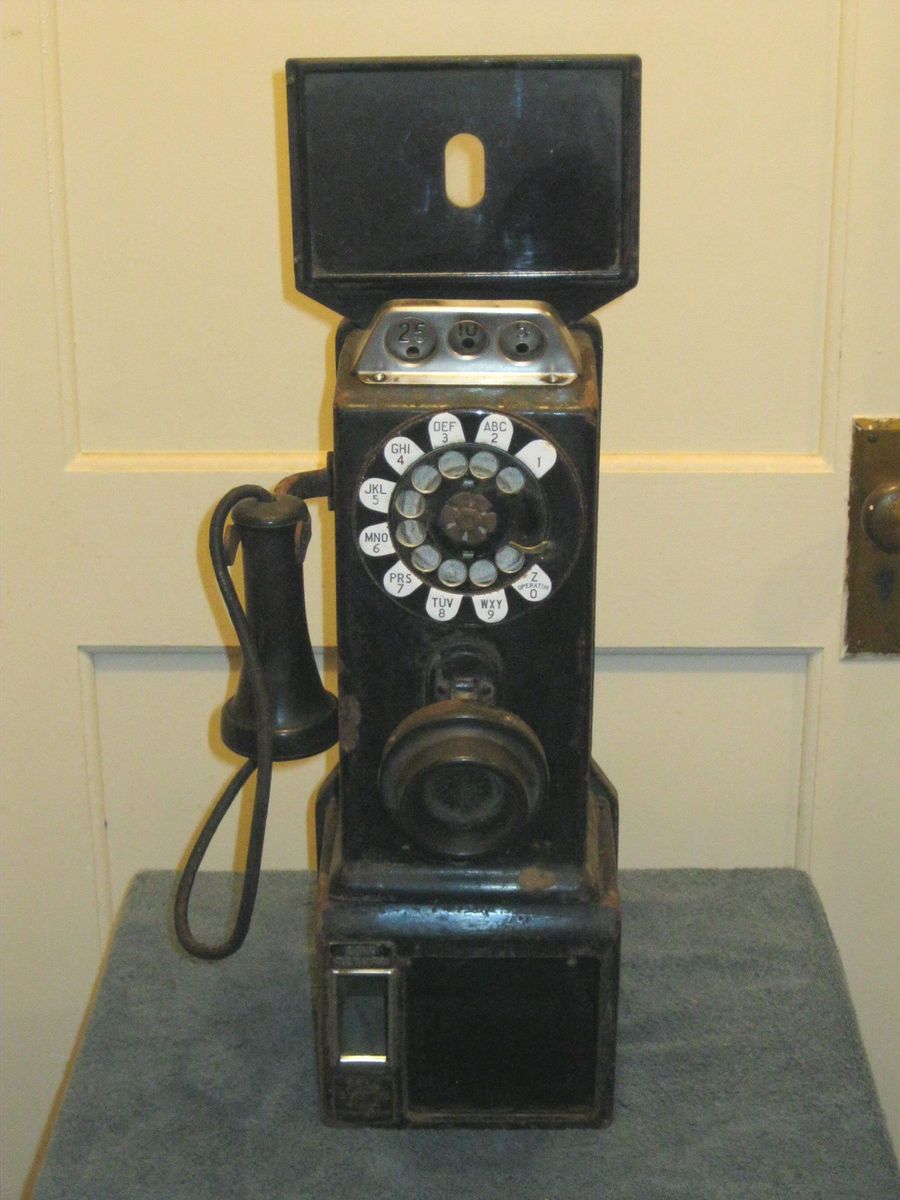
[(467, 928)]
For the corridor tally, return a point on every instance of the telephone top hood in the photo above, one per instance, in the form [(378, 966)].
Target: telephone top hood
[(372, 220)]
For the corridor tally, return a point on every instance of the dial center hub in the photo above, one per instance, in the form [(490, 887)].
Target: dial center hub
[(468, 518)]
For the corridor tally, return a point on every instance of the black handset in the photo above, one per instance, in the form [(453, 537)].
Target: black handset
[(280, 710), (467, 923)]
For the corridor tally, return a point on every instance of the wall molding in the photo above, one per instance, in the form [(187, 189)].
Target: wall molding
[(287, 461)]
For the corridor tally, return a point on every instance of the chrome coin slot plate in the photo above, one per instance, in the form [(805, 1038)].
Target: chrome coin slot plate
[(425, 342)]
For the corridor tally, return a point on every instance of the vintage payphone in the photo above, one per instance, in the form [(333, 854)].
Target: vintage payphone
[(467, 924)]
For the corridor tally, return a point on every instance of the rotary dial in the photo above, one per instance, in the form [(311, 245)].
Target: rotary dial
[(467, 521)]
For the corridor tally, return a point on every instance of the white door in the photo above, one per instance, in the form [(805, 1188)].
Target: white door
[(155, 353)]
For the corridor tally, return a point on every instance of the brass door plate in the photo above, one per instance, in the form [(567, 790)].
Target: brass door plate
[(873, 550)]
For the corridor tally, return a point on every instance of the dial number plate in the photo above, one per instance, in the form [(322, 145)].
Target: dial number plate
[(480, 517)]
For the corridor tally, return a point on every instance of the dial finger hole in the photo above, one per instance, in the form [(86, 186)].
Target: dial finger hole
[(510, 481), (509, 559), (484, 465), (410, 504), (452, 572), (452, 465), (425, 558), (410, 533), (426, 478), (483, 573)]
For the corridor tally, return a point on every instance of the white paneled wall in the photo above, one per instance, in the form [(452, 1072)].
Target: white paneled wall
[(717, 782)]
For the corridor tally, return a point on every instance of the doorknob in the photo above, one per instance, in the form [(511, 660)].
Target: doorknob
[(873, 554), (881, 517)]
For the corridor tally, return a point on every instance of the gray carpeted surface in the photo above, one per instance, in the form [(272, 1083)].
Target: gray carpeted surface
[(740, 1072)]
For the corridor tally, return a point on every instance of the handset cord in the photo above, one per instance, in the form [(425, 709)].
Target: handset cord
[(262, 763)]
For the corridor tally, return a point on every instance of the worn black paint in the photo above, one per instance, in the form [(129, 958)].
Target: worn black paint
[(559, 218)]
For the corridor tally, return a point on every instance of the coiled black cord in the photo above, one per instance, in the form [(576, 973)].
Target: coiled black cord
[(262, 764)]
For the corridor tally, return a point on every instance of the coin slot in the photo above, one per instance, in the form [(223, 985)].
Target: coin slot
[(467, 338), (464, 174), (410, 340), (522, 341)]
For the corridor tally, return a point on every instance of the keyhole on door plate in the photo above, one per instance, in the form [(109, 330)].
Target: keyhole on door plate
[(464, 170)]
